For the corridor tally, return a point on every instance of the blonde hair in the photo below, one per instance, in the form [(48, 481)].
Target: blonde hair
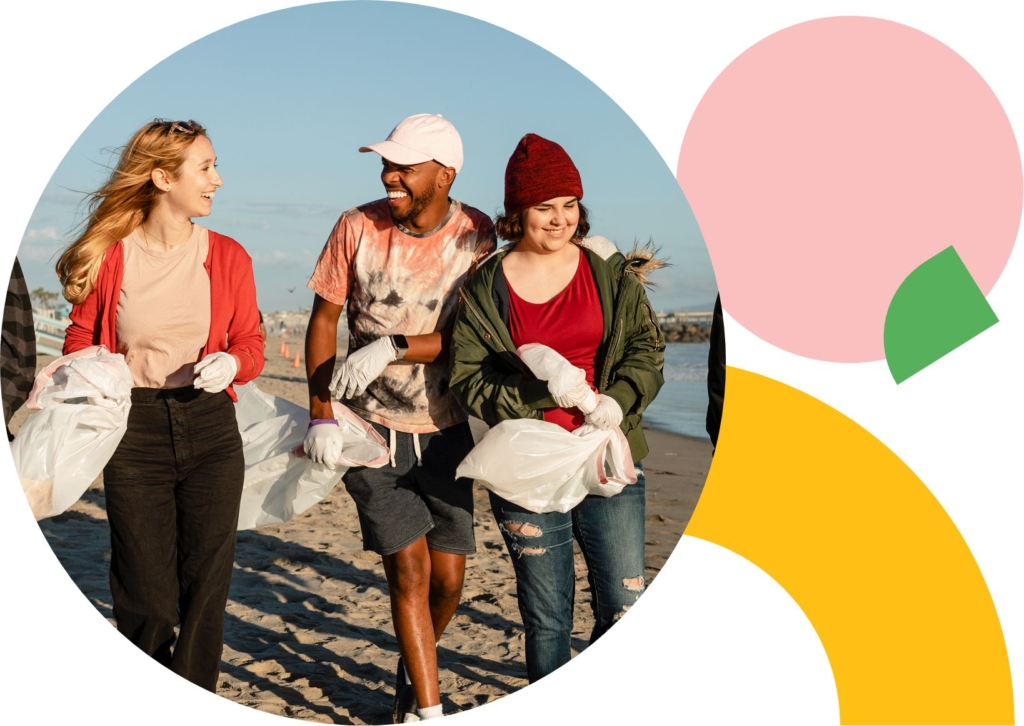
[(124, 201)]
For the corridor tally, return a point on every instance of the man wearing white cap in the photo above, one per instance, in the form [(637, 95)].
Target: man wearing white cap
[(398, 263)]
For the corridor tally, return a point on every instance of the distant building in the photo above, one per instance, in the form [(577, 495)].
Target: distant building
[(685, 327), (683, 318)]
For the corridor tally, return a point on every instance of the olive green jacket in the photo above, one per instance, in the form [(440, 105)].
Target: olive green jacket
[(493, 384)]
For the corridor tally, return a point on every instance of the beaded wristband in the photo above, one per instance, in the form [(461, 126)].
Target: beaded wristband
[(316, 421)]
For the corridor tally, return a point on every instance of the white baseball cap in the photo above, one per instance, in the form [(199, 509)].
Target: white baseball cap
[(420, 138)]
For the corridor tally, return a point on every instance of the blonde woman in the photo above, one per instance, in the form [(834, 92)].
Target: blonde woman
[(179, 301)]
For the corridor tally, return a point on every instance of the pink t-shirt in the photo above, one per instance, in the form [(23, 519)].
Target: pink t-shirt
[(163, 311), (395, 281)]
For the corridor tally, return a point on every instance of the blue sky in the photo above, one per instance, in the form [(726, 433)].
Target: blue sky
[(289, 97)]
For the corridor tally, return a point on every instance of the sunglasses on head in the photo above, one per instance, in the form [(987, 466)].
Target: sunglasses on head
[(184, 127)]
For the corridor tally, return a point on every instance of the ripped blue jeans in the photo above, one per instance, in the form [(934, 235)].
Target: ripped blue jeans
[(610, 533)]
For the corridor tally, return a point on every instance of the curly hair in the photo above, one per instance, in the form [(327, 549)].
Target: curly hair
[(510, 228)]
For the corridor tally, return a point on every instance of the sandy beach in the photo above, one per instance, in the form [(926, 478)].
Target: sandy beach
[(308, 627)]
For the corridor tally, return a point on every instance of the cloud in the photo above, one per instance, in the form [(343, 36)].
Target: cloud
[(40, 244), (40, 233), (301, 256), (283, 209), (269, 258), (248, 223)]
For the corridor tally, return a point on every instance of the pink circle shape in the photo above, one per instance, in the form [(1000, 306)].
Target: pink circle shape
[(831, 159)]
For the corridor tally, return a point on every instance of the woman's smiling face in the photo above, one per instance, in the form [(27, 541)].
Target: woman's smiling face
[(548, 226), (191, 193)]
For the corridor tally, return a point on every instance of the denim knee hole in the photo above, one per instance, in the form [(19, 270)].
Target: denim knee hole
[(522, 529), (632, 584)]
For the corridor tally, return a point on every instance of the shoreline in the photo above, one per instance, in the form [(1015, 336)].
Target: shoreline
[(697, 439)]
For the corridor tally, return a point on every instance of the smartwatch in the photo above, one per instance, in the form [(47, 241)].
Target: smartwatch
[(401, 346)]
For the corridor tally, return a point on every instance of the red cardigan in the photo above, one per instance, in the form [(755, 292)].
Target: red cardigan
[(234, 317)]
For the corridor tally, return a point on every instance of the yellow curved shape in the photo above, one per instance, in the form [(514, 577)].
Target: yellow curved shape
[(866, 551)]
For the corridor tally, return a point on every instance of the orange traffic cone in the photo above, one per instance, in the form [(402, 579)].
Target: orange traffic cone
[(296, 363), (287, 353), (281, 351)]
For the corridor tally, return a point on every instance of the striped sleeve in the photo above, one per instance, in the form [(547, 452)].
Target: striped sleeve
[(18, 356)]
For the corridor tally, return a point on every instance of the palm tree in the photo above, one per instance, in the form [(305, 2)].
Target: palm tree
[(43, 298)]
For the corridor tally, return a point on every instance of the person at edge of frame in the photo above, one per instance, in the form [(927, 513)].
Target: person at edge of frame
[(179, 302), (556, 286), (18, 351), (716, 375), (398, 263)]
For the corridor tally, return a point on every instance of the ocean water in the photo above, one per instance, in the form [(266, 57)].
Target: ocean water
[(682, 403)]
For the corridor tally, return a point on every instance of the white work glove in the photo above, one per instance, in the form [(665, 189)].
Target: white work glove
[(323, 443), (607, 415), (215, 372), (570, 389), (567, 384), (362, 367)]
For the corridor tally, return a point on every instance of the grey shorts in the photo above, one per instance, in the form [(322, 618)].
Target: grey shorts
[(399, 504)]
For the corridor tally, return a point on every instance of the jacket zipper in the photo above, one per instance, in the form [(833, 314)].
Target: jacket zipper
[(616, 331), (496, 344), (605, 369)]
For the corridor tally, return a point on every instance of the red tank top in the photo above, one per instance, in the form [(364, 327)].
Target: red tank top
[(571, 323)]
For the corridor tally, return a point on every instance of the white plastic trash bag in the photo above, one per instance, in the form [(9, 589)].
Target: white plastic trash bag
[(544, 468), (82, 402), (280, 481), (539, 465)]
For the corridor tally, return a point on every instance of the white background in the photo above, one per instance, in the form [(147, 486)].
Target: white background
[(714, 640)]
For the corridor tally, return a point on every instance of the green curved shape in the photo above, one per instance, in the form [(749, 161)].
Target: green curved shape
[(936, 309)]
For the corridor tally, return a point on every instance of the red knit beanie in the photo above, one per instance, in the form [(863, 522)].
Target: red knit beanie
[(537, 171)]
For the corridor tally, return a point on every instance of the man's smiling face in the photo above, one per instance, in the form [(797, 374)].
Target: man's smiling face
[(410, 188)]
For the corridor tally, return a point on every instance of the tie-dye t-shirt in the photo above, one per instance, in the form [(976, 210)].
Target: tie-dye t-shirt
[(398, 282)]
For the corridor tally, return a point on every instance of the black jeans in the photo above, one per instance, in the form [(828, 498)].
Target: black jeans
[(173, 489)]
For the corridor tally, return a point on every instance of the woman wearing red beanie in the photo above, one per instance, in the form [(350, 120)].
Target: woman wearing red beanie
[(580, 296)]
